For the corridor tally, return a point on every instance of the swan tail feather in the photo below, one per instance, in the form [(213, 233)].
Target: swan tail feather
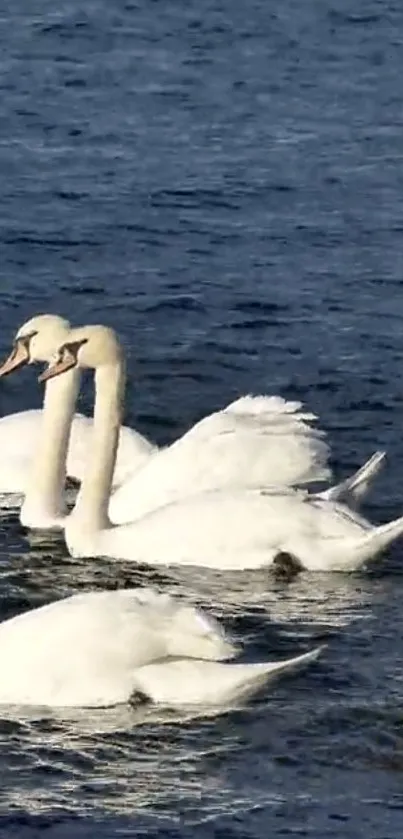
[(252, 677), (199, 682), (373, 543), (289, 664), (354, 488)]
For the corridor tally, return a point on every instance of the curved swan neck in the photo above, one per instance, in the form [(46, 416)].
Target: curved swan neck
[(44, 496), (91, 507)]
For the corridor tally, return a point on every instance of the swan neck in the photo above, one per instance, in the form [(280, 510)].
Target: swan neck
[(46, 481), (91, 508)]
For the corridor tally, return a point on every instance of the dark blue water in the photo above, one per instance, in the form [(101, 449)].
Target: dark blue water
[(222, 182)]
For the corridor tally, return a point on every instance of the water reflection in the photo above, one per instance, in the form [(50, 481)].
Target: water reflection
[(104, 760), (47, 572)]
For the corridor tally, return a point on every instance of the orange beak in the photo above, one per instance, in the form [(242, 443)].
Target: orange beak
[(18, 357), (55, 368)]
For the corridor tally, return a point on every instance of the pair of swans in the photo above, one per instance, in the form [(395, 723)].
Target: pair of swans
[(226, 525), (250, 442)]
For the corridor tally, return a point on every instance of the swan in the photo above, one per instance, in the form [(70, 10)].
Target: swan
[(225, 529), (102, 648), (244, 444), (19, 433)]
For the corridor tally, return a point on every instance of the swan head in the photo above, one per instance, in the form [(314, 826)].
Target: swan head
[(195, 634), (35, 341), (89, 346)]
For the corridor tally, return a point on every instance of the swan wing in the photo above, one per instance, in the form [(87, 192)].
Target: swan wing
[(252, 442)]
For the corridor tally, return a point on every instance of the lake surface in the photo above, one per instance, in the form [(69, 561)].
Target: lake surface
[(222, 182)]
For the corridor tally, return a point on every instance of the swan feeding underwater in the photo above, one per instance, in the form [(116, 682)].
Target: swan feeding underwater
[(246, 443), (238, 528), (103, 648)]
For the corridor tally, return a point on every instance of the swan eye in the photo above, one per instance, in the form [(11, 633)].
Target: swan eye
[(57, 356), (25, 342)]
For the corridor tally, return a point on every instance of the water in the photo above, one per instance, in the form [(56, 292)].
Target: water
[(221, 182)]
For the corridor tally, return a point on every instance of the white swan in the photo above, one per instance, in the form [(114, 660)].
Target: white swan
[(20, 433), (225, 529), (246, 444), (104, 648)]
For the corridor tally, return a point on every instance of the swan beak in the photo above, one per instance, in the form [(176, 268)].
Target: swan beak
[(55, 368), (18, 357)]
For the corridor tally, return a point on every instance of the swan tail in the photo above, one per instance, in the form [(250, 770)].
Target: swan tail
[(354, 488), (373, 543), (254, 676), (188, 682), (275, 668)]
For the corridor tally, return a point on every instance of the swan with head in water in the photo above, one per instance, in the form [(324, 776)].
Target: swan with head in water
[(224, 529), (109, 647), (20, 433), (242, 445)]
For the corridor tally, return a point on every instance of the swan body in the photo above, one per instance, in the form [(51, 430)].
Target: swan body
[(86, 649), (224, 529), (239, 530), (21, 432), (102, 648)]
